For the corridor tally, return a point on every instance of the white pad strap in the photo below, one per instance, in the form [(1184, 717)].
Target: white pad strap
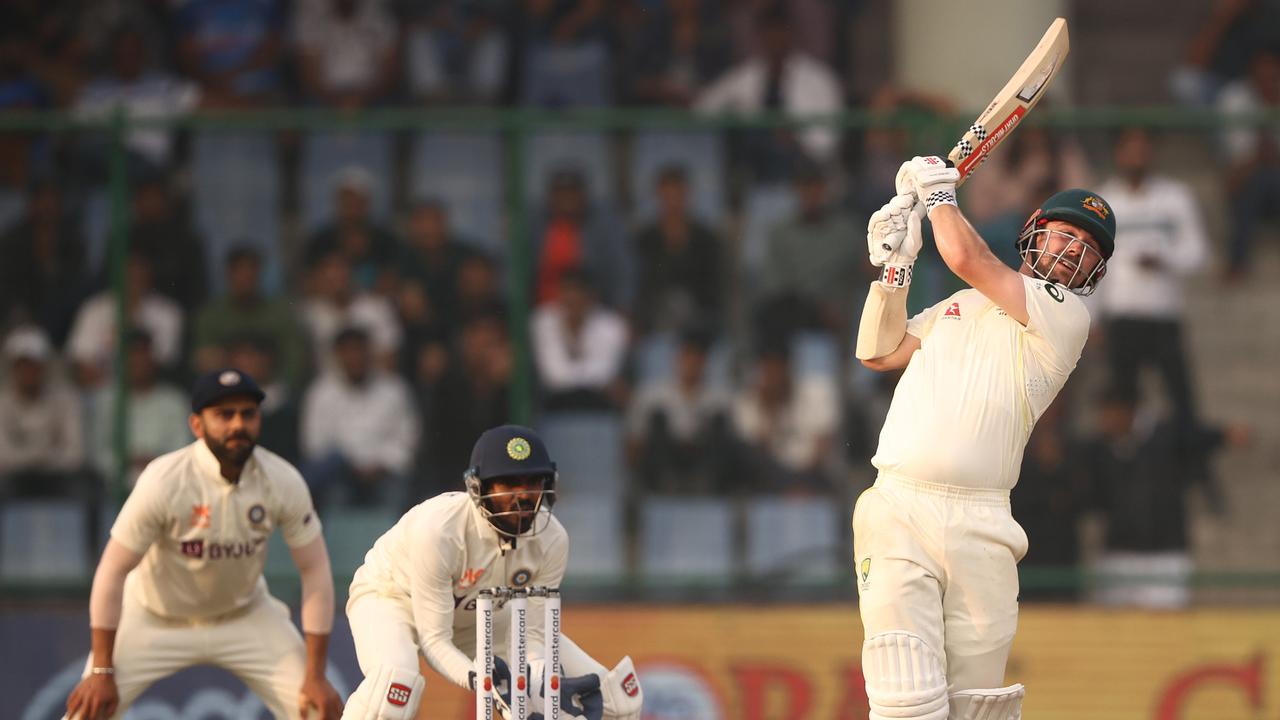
[(1002, 704), (905, 678), (388, 693)]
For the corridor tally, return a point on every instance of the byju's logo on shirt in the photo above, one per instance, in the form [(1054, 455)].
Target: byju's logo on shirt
[(221, 551)]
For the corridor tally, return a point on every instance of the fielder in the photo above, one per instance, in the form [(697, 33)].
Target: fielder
[(180, 581), (417, 589), (935, 546)]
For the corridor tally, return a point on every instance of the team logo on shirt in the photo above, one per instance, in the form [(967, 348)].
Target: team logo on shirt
[(229, 378), (200, 516), (398, 694), (518, 448), (257, 514), (1054, 291), (520, 578)]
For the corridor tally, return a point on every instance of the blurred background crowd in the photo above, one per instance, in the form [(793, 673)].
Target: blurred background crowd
[(674, 306)]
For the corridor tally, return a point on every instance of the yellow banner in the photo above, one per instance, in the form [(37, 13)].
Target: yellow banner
[(802, 663)]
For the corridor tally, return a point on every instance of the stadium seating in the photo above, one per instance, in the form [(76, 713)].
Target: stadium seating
[(688, 539), (587, 448), (43, 540), (794, 537), (326, 153), (702, 156), (463, 170), (235, 195), (597, 548), (586, 151)]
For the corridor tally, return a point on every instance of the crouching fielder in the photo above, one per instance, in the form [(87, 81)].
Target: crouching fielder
[(935, 545), (417, 589)]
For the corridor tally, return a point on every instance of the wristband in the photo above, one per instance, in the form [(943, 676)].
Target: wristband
[(939, 197), (102, 671), (896, 276)]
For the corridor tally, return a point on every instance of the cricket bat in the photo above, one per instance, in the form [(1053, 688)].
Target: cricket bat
[(1013, 102)]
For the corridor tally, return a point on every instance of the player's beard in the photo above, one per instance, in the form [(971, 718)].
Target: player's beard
[(238, 455)]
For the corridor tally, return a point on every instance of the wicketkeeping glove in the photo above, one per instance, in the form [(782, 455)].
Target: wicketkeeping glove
[(929, 179)]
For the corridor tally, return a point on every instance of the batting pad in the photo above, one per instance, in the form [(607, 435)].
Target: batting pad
[(388, 693), (1002, 704), (905, 678)]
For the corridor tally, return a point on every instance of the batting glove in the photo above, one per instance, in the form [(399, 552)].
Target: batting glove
[(929, 179), (894, 240)]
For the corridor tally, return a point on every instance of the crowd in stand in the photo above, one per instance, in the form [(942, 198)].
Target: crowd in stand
[(383, 337)]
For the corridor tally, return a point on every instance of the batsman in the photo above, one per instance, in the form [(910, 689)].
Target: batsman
[(935, 546)]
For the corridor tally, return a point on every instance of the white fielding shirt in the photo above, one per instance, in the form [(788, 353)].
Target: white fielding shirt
[(204, 539), (964, 409), (439, 556)]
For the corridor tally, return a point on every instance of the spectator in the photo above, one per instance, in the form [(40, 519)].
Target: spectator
[(134, 86), (1219, 52), (678, 433), (456, 53), (21, 153), (42, 270), (347, 51), (561, 52), (779, 78), (1161, 242), (336, 304), (257, 357), (359, 428), (1051, 499), (91, 345), (810, 279), (479, 286), (579, 347), (42, 450), (472, 396), (786, 427), (245, 311), (367, 246), (157, 413), (676, 53), (232, 48), (1142, 468), (1253, 152), (577, 236), (47, 45), (432, 258), (680, 261), (162, 232)]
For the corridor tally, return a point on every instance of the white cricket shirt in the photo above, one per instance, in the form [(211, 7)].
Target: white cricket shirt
[(439, 556), (204, 539), (965, 406)]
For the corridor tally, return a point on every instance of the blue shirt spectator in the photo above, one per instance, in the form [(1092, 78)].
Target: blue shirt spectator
[(232, 47)]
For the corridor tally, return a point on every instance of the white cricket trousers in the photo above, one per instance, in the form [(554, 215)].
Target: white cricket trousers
[(941, 562), (259, 645)]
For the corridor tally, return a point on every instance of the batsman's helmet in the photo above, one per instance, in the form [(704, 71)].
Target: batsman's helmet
[(1082, 208), (509, 452)]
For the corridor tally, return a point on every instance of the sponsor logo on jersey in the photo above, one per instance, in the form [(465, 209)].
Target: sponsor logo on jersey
[(221, 550), (469, 579), (398, 694), (1054, 291), (865, 567), (518, 448), (953, 311), (257, 514), (200, 516), (193, 548), (520, 578), (630, 685)]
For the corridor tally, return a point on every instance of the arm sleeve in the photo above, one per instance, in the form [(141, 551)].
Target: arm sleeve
[(433, 603), (107, 595), (296, 516), (1057, 324), (143, 517), (312, 560)]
